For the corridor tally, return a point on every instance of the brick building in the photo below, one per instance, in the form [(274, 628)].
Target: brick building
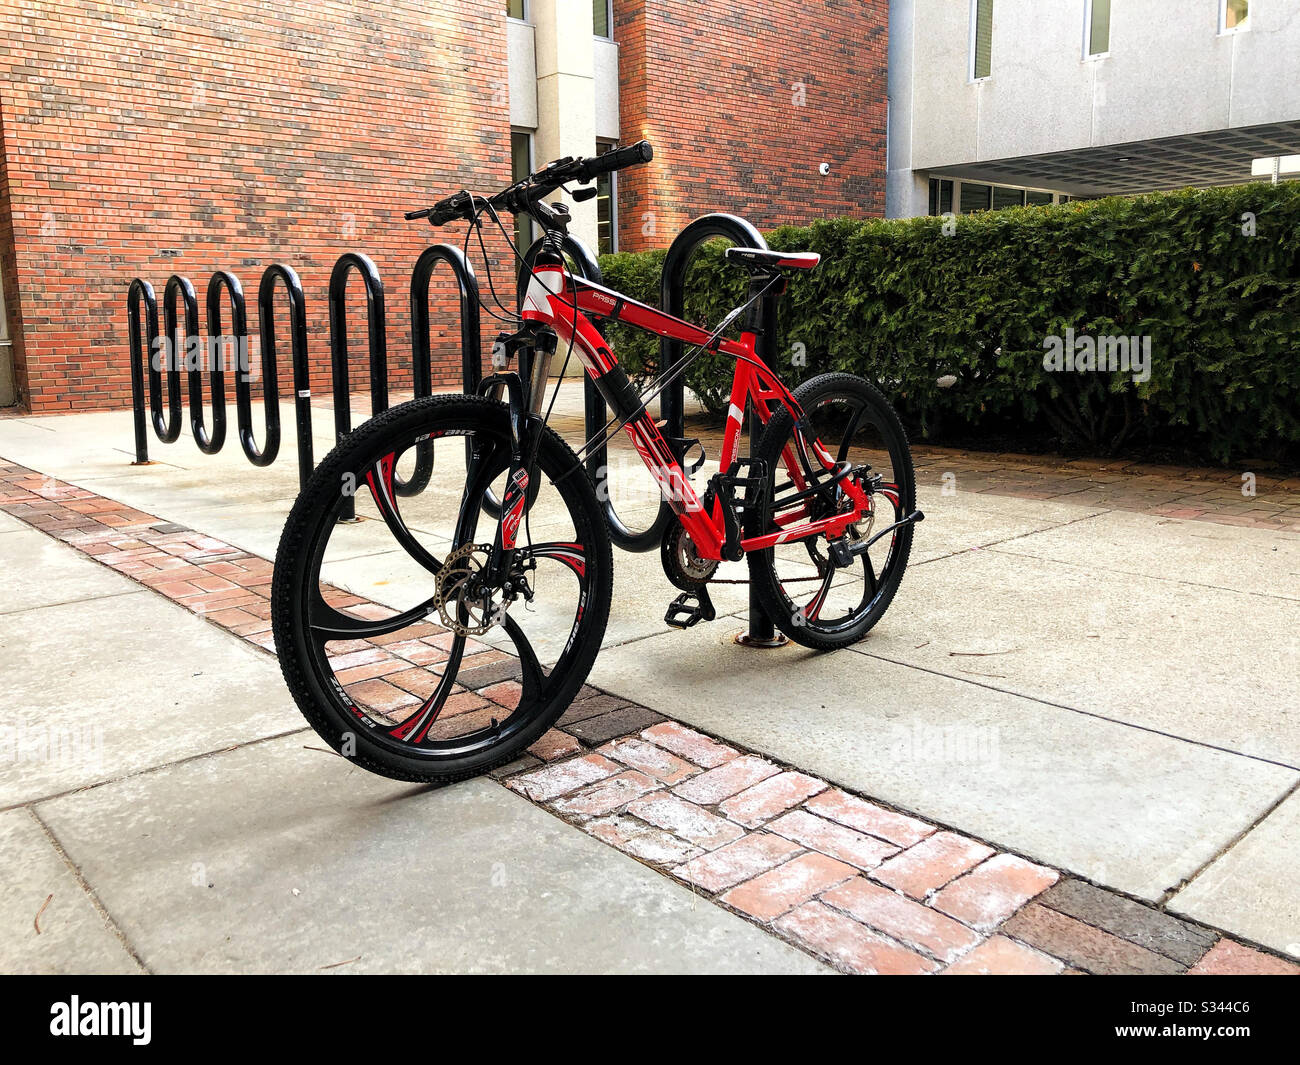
[(160, 137)]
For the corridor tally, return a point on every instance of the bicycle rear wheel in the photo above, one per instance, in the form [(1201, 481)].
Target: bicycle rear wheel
[(808, 597), (392, 685)]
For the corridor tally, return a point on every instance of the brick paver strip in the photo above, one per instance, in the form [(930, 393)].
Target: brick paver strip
[(661, 792), (654, 761), (594, 731), (932, 863), (564, 777), (746, 858), (727, 780), (590, 706), (606, 796), (993, 891), (519, 765), (1083, 946), (816, 833), (900, 918), (868, 817), (1229, 958), (687, 820), (641, 840), (1000, 956), (843, 940), (770, 797), (1129, 920), (481, 676), (689, 744), (782, 889), (555, 745)]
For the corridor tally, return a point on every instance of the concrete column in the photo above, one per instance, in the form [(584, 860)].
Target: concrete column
[(566, 93)]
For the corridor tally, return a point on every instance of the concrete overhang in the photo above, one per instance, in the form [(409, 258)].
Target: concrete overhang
[(1217, 157)]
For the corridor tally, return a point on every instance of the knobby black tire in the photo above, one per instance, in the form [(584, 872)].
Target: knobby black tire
[(315, 507), (762, 564)]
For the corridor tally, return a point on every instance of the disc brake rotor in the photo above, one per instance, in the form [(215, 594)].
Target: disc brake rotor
[(464, 603)]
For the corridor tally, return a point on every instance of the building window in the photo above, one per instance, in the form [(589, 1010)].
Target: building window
[(602, 18), (1097, 28), (1234, 16), (972, 196), (981, 39), (940, 196), (606, 207), (975, 197), (521, 165), (517, 9), (1005, 197)]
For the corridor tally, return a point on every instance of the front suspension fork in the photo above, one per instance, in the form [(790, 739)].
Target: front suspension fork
[(525, 424)]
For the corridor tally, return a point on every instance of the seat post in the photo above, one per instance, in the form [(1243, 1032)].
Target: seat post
[(755, 319)]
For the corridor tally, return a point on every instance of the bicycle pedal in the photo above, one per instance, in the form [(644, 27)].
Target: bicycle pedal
[(689, 609)]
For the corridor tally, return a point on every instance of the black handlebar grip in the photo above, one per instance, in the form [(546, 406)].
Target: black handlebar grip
[(618, 159), (411, 216)]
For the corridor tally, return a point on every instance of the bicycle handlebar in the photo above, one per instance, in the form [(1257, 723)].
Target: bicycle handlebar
[(523, 195), (616, 159)]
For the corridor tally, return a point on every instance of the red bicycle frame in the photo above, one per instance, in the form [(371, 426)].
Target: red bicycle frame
[(559, 299)]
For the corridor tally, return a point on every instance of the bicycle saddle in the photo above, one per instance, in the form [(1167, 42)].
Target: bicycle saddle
[(764, 259)]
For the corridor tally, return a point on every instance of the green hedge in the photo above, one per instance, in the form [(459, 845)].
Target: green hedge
[(907, 302)]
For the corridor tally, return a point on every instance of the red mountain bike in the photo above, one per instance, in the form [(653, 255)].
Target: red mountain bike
[(500, 525)]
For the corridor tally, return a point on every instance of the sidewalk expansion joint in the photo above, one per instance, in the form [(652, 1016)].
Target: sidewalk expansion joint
[(1077, 710), (1168, 895), (94, 898)]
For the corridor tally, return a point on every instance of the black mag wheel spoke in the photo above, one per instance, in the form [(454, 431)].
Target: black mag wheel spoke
[(329, 623), (573, 555), (873, 585), (416, 727), (859, 420), (852, 428), (532, 679), (812, 611), (380, 479)]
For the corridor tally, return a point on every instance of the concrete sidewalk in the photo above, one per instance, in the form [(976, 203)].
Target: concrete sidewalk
[(166, 798), (1106, 692)]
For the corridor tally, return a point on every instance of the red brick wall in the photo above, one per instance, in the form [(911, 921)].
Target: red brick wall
[(146, 138), (742, 102)]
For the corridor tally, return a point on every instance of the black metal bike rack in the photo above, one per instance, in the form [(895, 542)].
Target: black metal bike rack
[(180, 328), (298, 356), (181, 315), (672, 403)]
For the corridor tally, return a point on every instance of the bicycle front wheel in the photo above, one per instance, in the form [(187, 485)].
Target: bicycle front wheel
[(396, 649)]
